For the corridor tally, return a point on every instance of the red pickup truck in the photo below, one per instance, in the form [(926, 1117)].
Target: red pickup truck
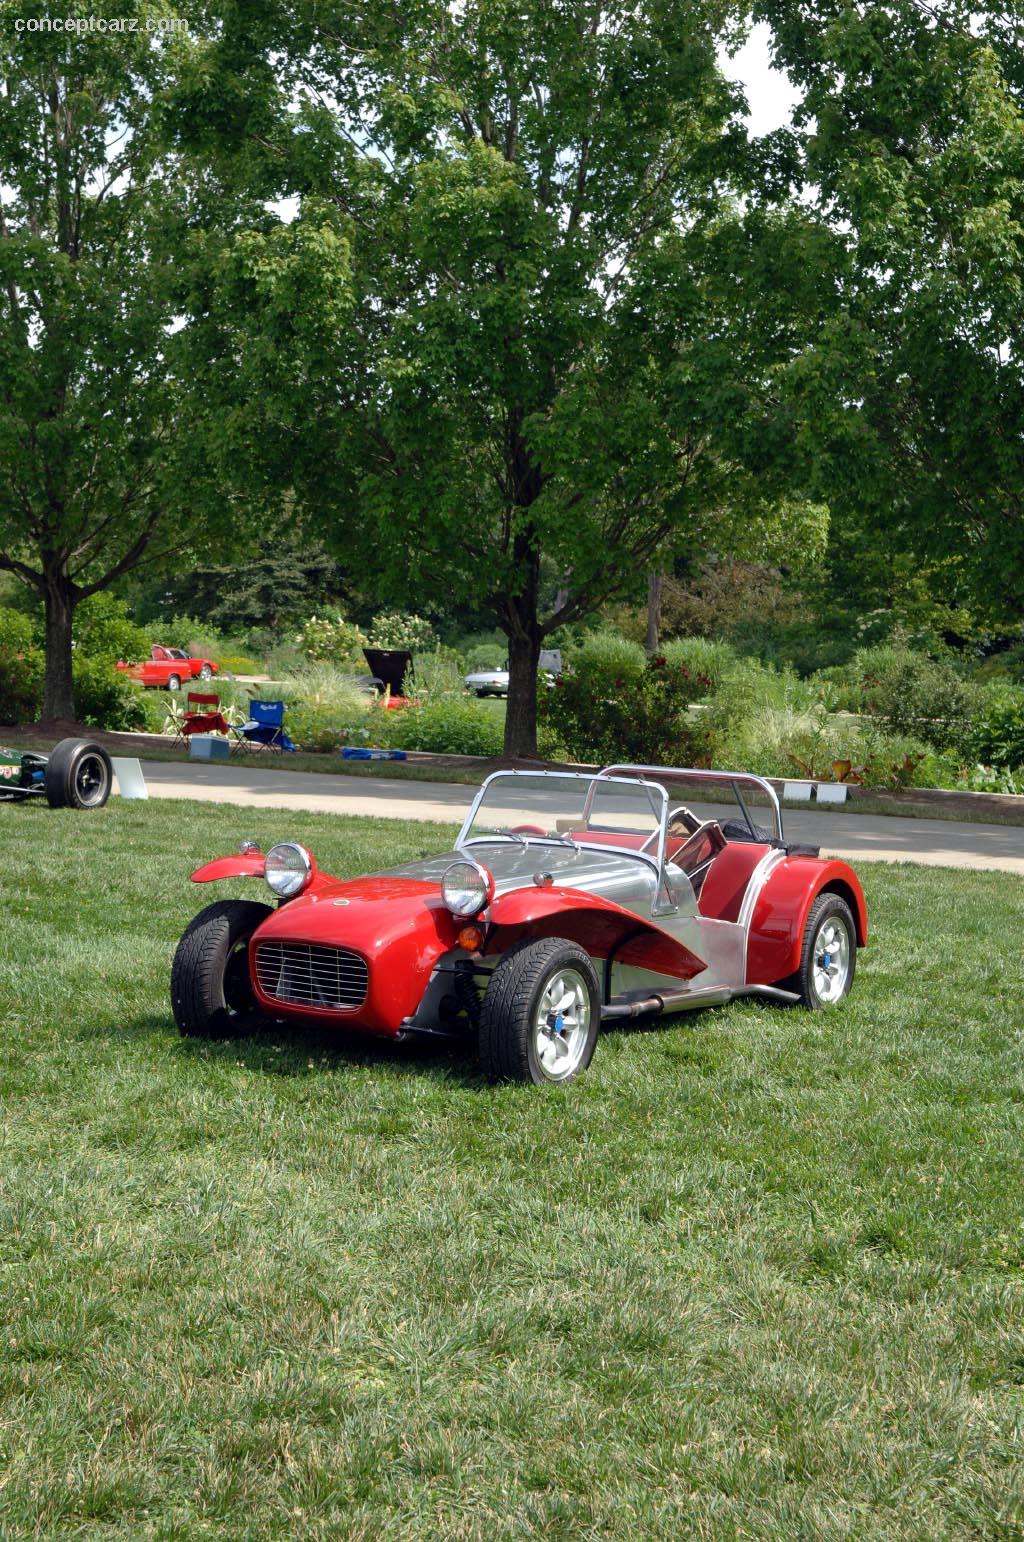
[(169, 667)]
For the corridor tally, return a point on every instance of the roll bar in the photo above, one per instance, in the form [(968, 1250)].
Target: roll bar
[(733, 779)]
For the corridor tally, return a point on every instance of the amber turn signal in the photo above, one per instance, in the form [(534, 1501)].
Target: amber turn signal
[(471, 938)]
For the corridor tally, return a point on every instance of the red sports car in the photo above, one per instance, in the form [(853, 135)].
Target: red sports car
[(169, 667), (570, 899)]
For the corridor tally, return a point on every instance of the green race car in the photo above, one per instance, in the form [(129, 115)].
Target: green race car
[(76, 774)]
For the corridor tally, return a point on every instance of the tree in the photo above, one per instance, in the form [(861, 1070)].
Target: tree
[(104, 408), (909, 403), (283, 580), (550, 360)]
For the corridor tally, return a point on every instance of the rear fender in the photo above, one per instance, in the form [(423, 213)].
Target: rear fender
[(601, 927), (780, 914)]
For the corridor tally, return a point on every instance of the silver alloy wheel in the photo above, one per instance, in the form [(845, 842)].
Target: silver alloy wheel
[(831, 955), (562, 1025), (92, 780)]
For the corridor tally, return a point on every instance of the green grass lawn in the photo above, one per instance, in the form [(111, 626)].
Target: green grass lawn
[(759, 1273)]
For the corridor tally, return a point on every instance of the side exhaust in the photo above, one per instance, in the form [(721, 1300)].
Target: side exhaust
[(685, 1000)]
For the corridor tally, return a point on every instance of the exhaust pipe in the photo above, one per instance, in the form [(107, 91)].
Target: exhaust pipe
[(683, 1000)]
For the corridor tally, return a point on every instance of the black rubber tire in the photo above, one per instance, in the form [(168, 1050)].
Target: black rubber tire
[(78, 775), (206, 673), (174, 682), (506, 1047), (211, 993), (803, 981)]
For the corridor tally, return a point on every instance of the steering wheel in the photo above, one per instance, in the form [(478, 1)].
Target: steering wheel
[(527, 830)]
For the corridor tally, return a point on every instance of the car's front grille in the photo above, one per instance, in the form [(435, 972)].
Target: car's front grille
[(308, 975)]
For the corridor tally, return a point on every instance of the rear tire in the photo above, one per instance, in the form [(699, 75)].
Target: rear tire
[(541, 1014), (78, 775), (211, 990), (174, 682), (828, 957)]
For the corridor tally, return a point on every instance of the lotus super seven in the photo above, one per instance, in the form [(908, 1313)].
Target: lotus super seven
[(569, 900)]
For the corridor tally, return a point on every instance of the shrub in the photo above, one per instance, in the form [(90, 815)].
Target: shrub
[(639, 714), (393, 629), (485, 655), (104, 698), (21, 684), (994, 779), (323, 705), (452, 726), (607, 655), (195, 637), (331, 640), (239, 664), (997, 733), (797, 741), (702, 656), (435, 675), (914, 694), (104, 631), (17, 633)]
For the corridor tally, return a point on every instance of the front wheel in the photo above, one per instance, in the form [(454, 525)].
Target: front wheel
[(541, 1014), (78, 775), (828, 958), (211, 990), (206, 673)]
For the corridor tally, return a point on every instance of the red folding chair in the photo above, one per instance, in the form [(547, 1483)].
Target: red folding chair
[(200, 721)]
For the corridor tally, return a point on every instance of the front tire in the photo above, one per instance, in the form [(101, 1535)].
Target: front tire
[(78, 775), (211, 991), (828, 958), (206, 673), (541, 1014)]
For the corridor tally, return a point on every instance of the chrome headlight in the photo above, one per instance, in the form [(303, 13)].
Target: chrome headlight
[(288, 869), (466, 887)]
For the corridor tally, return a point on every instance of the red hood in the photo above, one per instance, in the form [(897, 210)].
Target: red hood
[(362, 913)]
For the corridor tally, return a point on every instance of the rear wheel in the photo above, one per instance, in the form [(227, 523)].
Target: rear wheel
[(541, 1014), (174, 682), (211, 989), (828, 959), (78, 775)]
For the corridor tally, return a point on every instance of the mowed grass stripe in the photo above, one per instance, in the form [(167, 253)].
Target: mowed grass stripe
[(758, 1273)]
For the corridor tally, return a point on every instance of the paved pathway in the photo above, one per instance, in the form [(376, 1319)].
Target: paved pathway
[(879, 837)]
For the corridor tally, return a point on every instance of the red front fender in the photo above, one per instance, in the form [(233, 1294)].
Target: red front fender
[(246, 865)]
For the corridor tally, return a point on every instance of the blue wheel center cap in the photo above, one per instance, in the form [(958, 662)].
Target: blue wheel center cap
[(826, 961), (557, 1022)]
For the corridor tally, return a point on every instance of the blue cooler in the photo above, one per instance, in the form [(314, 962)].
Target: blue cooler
[(209, 747)]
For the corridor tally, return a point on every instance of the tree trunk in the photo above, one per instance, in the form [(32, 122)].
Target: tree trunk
[(521, 711), (59, 600), (654, 585)]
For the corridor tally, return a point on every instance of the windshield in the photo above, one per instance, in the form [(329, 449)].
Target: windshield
[(569, 809)]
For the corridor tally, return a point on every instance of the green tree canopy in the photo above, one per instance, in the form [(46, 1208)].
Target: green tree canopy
[(566, 285), (110, 429), (909, 405)]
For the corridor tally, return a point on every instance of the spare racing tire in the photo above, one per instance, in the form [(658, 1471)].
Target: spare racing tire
[(78, 775)]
